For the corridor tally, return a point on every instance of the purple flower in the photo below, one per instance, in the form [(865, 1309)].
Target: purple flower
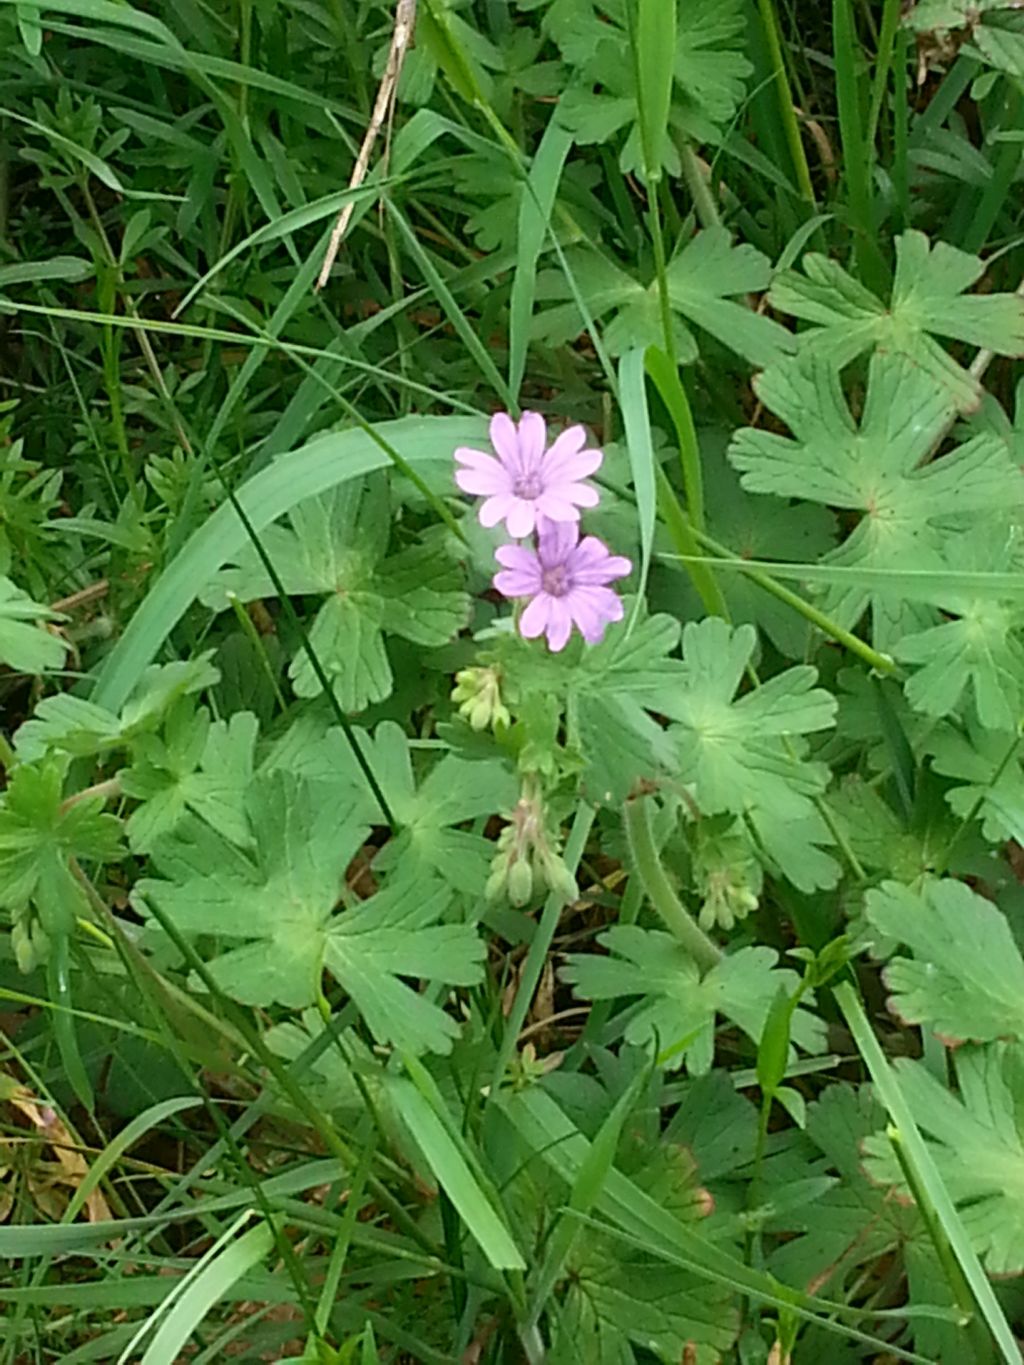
[(527, 481), (567, 579)]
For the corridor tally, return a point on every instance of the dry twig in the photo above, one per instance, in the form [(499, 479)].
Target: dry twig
[(383, 107)]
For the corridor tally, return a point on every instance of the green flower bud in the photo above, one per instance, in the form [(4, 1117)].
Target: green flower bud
[(520, 882), (728, 877), (556, 875), (477, 692), (29, 941)]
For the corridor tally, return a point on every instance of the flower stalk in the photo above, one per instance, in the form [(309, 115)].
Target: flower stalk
[(647, 863)]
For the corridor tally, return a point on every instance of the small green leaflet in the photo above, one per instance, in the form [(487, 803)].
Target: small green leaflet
[(196, 765), (679, 1007), (426, 804), (744, 756), (755, 527), (701, 280), (988, 765), (980, 652), (710, 73), (994, 28), (278, 901), (39, 836), (975, 1140), (72, 725), (966, 978), (616, 684), (856, 1222), (909, 507), (877, 835), (25, 645), (453, 792), (927, 297), (616, 1300), (335, 547)]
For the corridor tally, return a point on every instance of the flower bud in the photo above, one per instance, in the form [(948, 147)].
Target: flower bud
[(478, 694), (557, 876), (29, 941), (520, 882), (728, 876)]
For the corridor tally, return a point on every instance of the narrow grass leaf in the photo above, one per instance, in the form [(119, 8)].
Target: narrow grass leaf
[(586, 1190), (140, 1125), (453, 311), (654, 37), (282, 226), (56, 268), (633, 401), (534, 217), (930, 1182), (670, 389), (455, 1178), (204, 1292)]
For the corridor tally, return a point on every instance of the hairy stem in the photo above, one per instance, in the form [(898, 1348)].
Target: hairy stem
[(660, 891)]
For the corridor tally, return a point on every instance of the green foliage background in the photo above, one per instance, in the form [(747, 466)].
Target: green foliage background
[(377, 985)]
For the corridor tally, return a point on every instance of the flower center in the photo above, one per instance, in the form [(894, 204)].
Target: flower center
[(555, 581), (529, 486)]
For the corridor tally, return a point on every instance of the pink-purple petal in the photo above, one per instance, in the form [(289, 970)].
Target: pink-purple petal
[(483, 482), (557, 543), (534, 619), (520, 518), (516, 583), (583, 494), (559, 623), (556, 508), (565, 448), (476, 459), (533, 432), (505, 440), (496, 509), (590, 563), (571, 465), (592, 609), (518, 557)]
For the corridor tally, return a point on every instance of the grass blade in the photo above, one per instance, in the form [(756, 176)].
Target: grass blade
[(654, 52), (455, 315), (140, 1125), (637, 422), (927, 1176), (455, 1177), (203, 1292), (856, 151), (534, 216)]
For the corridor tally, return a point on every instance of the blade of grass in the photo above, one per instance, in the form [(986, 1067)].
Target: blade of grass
[(926, 1174), (883, 65), (587, 1188), (113, 1152), (454, 313), (191, 1299), (633, 402), (535, 211), (787, 112), (453, 1174), (856, 150)]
